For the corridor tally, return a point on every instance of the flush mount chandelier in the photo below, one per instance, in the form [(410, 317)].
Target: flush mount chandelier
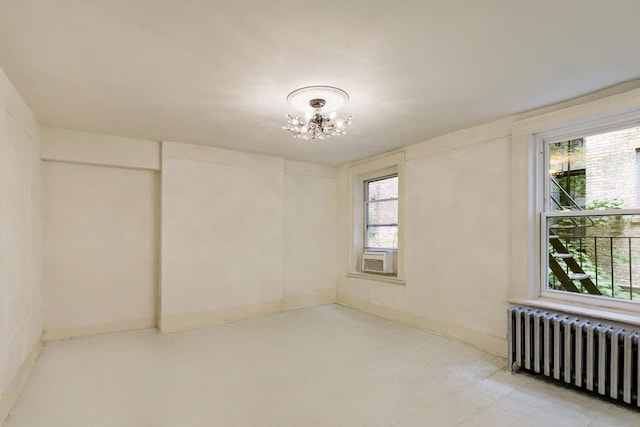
[(315, 124)]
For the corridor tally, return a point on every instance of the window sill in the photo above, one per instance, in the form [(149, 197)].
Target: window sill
[(377, 278), (617, 316)]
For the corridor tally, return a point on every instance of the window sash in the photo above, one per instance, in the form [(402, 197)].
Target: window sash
[(368, 202), (368, 205), (368, 244)]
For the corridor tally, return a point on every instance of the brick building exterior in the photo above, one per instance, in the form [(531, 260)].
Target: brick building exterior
[(612, 166), (612, 163)]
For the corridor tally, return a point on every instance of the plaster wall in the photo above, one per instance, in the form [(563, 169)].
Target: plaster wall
[(20, 236), (100, 249), (241, 234), (457, 245), (470, 240), (101, 231), (310, 221), (241, 237)]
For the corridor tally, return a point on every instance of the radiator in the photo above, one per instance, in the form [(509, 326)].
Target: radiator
[(595, 356)]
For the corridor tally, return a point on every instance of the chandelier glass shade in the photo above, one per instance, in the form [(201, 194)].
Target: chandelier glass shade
[(315, 124)]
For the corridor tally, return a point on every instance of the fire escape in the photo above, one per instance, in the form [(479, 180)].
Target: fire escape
[(561, 261)]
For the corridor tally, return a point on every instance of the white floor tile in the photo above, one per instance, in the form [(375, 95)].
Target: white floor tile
[(322, 366)]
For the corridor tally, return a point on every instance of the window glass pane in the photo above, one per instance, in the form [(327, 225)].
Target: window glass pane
[(382, 212), (594, 255), (595, 172), (383, 189), (382, 237), (567, 187)]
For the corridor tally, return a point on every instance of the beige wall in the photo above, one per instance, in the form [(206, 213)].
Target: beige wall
[(100, 244), (20, 235), (227, 250), (469, 222), (457, 241), (101, 233), (310, 221), (458, 211), (222, 244)]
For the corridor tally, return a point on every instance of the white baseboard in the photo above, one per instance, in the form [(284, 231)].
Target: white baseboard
[(181, 322), (85, 331), (296, 301), (10, 395), (485, 342)]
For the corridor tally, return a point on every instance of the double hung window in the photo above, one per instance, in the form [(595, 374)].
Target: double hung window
[(590, 233), (381, 212), (377, 219)]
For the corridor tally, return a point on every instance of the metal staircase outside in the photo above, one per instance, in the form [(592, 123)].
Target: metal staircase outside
[(561, 261)]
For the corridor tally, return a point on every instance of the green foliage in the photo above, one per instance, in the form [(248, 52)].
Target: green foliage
[(575, 186), (606, 288), (605, 203)]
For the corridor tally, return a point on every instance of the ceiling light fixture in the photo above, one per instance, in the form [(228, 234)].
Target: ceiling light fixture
[(314, 124)]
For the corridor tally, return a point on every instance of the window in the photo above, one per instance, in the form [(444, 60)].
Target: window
[(381, 212), (590, 245), (377, 219), (555, 145), (533, 216)]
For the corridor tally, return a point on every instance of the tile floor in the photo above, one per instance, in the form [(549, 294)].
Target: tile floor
[(321, 366)]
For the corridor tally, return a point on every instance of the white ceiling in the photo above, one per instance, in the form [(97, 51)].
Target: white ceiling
[(218, 72)]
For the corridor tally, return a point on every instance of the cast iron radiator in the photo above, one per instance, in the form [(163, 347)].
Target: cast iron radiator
[(596, 356)]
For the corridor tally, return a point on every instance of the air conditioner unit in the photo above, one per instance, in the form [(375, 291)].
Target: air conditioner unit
[(378, 261)]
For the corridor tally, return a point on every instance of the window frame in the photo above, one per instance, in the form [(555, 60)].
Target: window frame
[(367, 203), (543, 141), (607, 113), (637, 176), (359, 173)]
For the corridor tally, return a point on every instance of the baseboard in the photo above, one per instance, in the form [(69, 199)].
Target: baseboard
[(85, 331), (186, 321), (296, 301), (485, 342), (10, 395)]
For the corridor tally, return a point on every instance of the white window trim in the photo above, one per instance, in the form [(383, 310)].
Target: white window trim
[(528, 192), (358, 174)]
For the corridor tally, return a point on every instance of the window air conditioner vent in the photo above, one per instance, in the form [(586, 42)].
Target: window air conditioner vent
[(378, 261)]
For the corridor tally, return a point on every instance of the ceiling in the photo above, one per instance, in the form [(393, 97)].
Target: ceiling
[(218, 72)]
